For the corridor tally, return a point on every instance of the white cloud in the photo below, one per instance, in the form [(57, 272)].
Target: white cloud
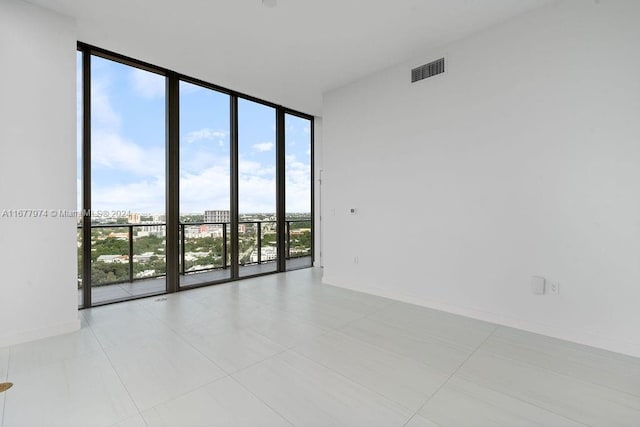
[(205, 180), (79, 193), (261, 147), (206, 134), (110, 150), (248, 168), (145, 196), (207, 189), (257, 194), (298, 185), (102, 113), (147, 84)]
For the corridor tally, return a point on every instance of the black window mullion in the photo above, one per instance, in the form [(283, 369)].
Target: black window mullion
[(233, 135), (280, 191), (173, 183), (86, 177), (313, 192)]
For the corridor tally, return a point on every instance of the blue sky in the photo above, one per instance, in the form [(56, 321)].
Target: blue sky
[(128, 147)]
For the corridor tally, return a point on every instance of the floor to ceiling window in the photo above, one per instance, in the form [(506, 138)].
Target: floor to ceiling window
[(257, 225), (184, 183), (298, 184), (79, 172), (127, 181), (205, 192)]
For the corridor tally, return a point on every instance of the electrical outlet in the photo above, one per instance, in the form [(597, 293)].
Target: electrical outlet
[(554, 288), (355, 260)]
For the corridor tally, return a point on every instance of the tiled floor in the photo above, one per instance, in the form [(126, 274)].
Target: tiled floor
[(285, 350)]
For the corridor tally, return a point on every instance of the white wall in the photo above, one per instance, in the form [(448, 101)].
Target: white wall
[(523, 159), (38, 294)]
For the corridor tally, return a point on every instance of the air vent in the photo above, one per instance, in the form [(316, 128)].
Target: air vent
[(428, 70)]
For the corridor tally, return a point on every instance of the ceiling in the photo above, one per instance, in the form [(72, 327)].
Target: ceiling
[(289, 54)]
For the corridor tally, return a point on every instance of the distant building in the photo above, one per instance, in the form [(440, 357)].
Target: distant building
[(217, 216), (119, 236), (156, 230), (300, 231), (267, 253), (133, 218), (113, 259), (144, 257)]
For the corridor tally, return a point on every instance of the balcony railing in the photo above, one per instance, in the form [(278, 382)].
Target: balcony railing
[(204, 246)]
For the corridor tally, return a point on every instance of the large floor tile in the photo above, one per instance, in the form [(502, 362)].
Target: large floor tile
[(321, 314), (437, 353), (285, 329), (221, 297), (131, 334), (135, 421), (309, 394), (572, 398), (156, 372), (418, 421), (402, 380), (335, 294), (82, 392), (223, 403), (183, 314), (4, 362), (4, 368), (329, 297), (175, 308), (463, 404), (125, 312), (35, 354), (232, 346), (586, 363), (426, 322)]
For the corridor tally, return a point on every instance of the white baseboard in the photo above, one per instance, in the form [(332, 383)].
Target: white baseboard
[(601, 341), (36, 334)]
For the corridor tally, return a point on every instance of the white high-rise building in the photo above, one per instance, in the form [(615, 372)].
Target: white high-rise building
[(217, 216)]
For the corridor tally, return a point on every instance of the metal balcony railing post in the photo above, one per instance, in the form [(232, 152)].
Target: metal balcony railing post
[(224, 245), (130, 227), (182, 249), (259, 236), (288, 231)]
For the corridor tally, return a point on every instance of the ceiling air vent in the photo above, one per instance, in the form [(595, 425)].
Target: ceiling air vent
[(427, 70)]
